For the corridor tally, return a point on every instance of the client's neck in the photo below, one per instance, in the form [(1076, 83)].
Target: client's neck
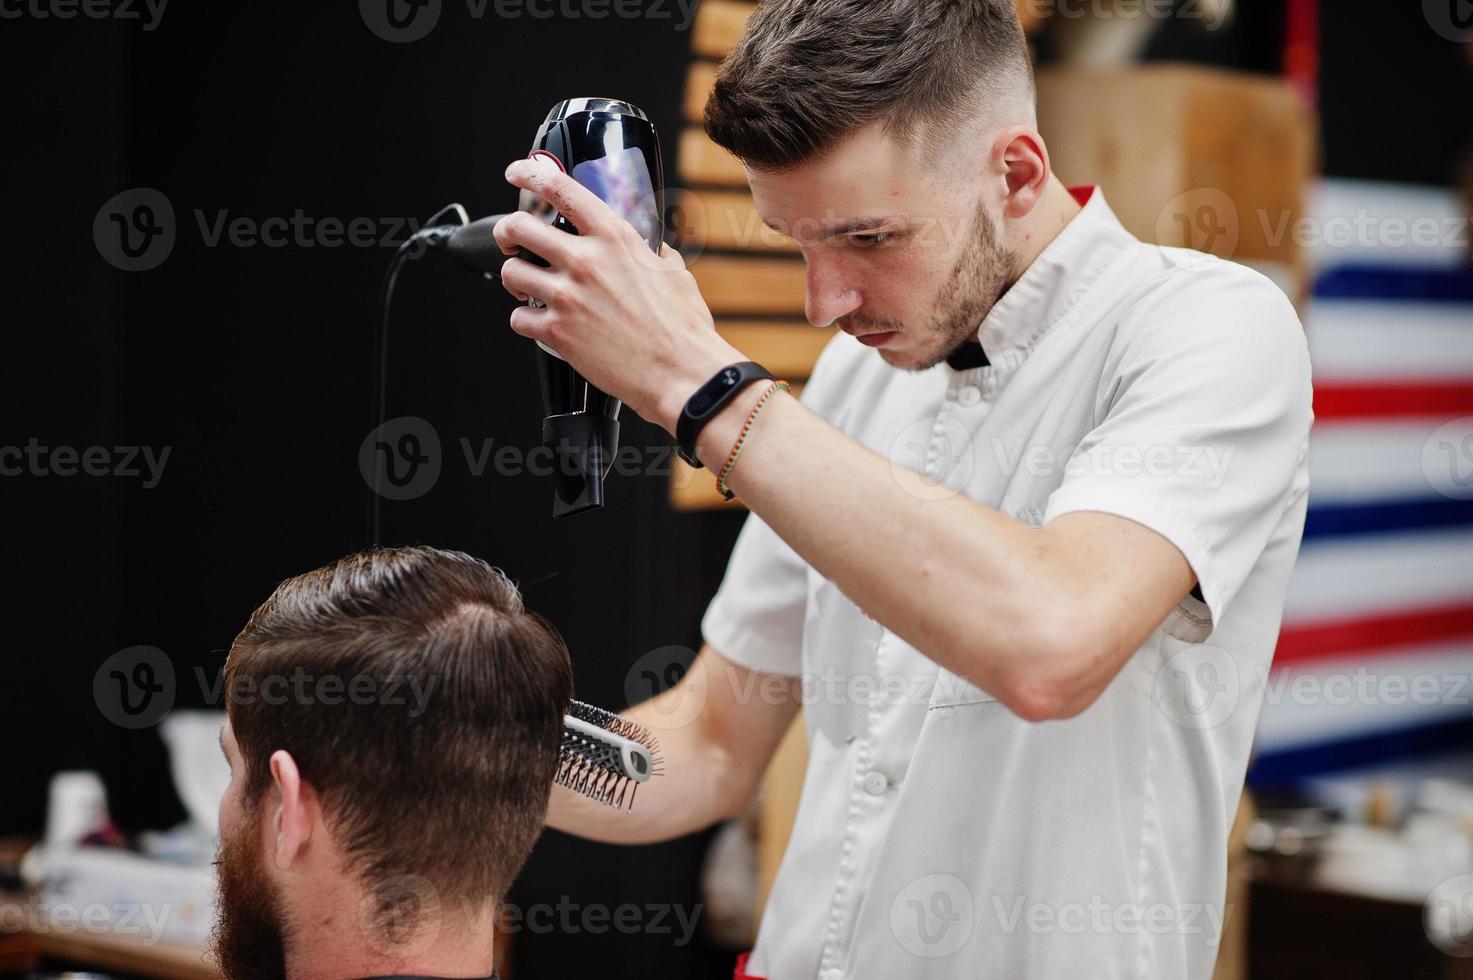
[(347, 944)]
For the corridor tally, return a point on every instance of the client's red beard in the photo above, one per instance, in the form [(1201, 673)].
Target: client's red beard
[(248, 936)]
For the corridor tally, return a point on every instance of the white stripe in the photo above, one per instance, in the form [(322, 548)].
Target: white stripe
[(1363, 576), (1365, 461), (1344, 698), (1358, 340), (1368, 222)]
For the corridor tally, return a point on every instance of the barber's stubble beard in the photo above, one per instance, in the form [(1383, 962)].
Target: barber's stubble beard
[(979, 279), (248, 939)]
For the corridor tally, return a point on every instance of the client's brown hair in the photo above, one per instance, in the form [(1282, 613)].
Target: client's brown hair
[(423, 703)]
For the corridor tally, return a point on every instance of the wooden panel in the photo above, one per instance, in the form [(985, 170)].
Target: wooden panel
[(725, 220), (703, 162), (693, 489), (698, 84), (750, 285), (130, 954), (1218, 163), (781, 788), (1031, 13), (719, 26), (1232, 950), (789, 350)]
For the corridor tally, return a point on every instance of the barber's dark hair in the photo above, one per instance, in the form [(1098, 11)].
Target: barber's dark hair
[(808, 73), (439, 764)]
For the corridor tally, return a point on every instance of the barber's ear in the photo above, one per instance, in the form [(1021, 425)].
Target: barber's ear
[(1024, 162), (296, 810)]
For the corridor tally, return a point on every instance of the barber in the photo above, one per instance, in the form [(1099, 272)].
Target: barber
[(1042, 496)]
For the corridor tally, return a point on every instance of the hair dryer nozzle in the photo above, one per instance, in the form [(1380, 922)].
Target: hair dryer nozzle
[(583, 448)]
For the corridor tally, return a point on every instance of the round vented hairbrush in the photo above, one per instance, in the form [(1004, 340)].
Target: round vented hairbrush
[(605, 757)]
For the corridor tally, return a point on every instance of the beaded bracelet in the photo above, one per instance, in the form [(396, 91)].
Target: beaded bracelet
[(736, 450)]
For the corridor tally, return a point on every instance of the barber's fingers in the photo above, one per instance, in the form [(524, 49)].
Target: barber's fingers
[(671, 255), (589, 214), (520, 230), (533, 322), (524, 280)]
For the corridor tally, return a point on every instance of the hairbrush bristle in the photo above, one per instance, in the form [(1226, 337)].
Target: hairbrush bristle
[(620, 725), (594, 768)]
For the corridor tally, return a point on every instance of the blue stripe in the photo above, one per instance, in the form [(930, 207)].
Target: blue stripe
[(1385, 516), (1392, 283), (1280, 768)]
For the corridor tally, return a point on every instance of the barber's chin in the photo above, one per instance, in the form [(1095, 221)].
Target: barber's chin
[(905, 358)]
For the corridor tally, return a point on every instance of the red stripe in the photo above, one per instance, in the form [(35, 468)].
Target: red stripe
[(740, 973), (1334, 402), (1302, 48), (1318, 641)]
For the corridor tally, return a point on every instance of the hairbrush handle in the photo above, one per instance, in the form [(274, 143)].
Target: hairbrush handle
[(605, 757), (633, 760)]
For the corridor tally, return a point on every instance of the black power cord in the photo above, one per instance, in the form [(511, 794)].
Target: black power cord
[(435, 232), (472, 244)]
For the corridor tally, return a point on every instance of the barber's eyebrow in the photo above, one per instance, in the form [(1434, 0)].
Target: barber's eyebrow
[(851, 227)]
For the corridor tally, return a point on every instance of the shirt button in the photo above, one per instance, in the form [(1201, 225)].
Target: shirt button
[(875, 783), (969, 396)]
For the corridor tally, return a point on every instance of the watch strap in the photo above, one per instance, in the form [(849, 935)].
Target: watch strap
[(709, 400)]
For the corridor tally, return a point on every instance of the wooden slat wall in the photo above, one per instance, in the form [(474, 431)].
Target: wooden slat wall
[(719, 26), (1219, 162), (754, 281), (752, 277)]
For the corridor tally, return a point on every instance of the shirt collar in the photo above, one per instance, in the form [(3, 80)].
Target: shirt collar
[(1063, 272)]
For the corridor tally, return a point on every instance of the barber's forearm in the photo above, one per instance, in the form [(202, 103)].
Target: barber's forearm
[(969, 587), (695, 791)]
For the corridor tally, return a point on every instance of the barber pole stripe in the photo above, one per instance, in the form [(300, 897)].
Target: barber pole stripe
[(1373, 462), (1375, 657), (1433, 398), (1360, 341), (1306, 642), (1360, 693), (1386, 517), (1364, 575)]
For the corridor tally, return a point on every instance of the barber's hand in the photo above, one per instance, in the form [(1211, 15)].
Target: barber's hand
[(630, 321)]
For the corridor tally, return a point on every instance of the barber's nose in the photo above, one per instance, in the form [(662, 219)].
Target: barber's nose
[(831, 294)]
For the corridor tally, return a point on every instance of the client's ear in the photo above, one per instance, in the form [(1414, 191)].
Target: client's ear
[(296, 811)]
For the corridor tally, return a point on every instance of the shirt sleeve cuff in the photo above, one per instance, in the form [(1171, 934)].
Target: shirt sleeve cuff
[(747, 647), (1192, 619)]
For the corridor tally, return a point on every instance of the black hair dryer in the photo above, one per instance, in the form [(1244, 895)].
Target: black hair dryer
[(611, 148)]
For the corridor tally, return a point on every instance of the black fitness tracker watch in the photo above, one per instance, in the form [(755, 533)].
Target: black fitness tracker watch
[(709, 400)]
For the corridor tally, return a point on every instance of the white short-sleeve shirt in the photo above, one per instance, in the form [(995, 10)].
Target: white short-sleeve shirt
[(939, 835)]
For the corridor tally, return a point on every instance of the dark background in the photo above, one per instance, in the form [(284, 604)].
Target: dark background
[(253, 364)]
